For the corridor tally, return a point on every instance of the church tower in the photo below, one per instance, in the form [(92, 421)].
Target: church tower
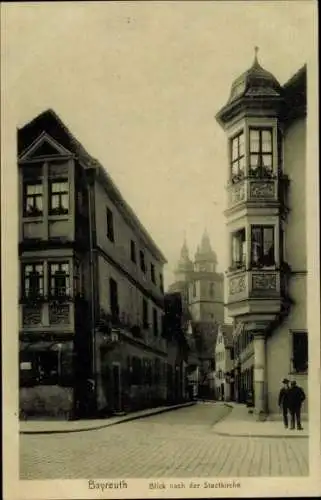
[(206, 288), (182, 274)]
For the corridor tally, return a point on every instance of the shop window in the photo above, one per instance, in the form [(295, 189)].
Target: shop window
[(237, 158), (262, 246), (261, 153), (51, 367), (33, 280), (238, 249), (300, 352), (59, 197), (59, 279), (33, 200)]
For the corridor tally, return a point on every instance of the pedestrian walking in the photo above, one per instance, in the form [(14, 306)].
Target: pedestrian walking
[(296, 397), (284, 401)]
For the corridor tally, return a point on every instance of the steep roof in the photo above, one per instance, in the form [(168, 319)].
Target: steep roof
[(50, 122)]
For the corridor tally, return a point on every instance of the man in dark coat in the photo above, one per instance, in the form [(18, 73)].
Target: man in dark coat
[(284, 401), (296, 397)]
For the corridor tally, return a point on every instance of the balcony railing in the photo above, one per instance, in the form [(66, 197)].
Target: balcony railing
[(261, 283), (252, 189)]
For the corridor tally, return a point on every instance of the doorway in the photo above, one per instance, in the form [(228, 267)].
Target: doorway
[(116, 384)]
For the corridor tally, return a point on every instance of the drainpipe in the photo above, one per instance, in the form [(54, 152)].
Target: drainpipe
[(92, 294)]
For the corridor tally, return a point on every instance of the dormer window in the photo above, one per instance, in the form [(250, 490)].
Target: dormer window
[(261, 152), (237, 157)]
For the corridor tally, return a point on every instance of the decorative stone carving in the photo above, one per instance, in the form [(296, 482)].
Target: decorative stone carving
[(237, 193), (262, 189), (32, 315), (58, 314), (237, 284), (263, 281)]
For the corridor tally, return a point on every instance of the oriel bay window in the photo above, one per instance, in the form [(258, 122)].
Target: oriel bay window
[(261, 153), (262, 246), (33, 200), (59, 279), (59, 197), (237, 157), (238, 249), (33, 280)]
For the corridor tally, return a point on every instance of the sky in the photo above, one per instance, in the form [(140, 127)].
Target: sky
[(139, 84)]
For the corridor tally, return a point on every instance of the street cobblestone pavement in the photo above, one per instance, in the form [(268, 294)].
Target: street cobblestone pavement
[(181, 443)]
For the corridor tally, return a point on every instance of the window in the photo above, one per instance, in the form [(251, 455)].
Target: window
[(113, 297), (211, 289), (262, 246), (142, 261), (59, 197), (33, 280), (133, 251), (59, 279), (238, 249), (261, 153), (155, 322), (237, 157), (145, 314), (33, 200), (300, 351), (152, 273), (110, 225), (194, 290), (161, 282)]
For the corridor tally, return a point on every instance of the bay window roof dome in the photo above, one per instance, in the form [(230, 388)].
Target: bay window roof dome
[(255, 82)]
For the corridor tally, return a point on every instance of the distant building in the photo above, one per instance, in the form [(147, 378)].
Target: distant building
[(91, 284), (265, 125), (224, 363)]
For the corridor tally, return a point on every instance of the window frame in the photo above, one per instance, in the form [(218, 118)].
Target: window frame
[(260, 171), (142, 261), (34, 196), (58, 210), (51, 276), (241, 249), (110, 225), (155, 322), (40, 289), (263, 260), (236, 177), (152, 273), (133, 255), (145, 315)]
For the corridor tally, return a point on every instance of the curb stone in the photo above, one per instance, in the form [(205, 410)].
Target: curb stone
[(110, 424)]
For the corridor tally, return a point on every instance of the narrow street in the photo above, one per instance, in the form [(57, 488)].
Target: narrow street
[(180, 443)]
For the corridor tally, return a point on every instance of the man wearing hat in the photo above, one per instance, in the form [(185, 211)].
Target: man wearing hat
[(296, 397), (284, 401)]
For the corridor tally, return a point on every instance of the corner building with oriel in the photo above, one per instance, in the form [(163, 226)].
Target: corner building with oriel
[(265, 125)]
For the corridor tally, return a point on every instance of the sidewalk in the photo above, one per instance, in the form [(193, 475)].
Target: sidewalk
[(241, 423), (62, 426)]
